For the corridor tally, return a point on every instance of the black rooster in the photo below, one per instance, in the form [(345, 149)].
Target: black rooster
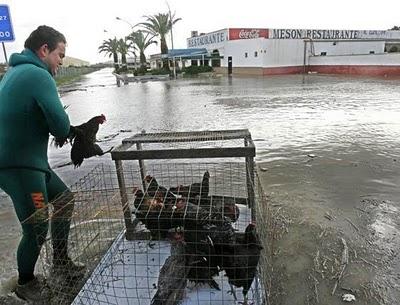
[(84, 145), (240, 260), (83, 140)]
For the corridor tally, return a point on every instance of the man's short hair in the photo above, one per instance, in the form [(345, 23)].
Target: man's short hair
[(44, 35)]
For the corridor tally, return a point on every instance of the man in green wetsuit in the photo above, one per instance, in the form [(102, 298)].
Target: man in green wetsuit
[(30, 110)]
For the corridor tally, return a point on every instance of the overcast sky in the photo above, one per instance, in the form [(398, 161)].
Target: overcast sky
[(84, 22)]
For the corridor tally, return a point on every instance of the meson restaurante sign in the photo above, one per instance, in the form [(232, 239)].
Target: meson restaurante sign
[(220, 37), (324, 34)]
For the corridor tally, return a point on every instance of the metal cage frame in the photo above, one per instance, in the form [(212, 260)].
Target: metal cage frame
[(132, 149)]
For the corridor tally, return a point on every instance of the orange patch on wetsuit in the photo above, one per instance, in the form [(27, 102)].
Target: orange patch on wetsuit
[(38, 200)]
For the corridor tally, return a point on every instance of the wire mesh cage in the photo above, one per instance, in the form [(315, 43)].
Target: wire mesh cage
[(83, 224), (200, 236)]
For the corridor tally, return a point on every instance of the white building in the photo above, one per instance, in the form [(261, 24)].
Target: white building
[(288, 51)]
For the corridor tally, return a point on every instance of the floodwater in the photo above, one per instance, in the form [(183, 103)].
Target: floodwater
[(291, 119), (288, 116)]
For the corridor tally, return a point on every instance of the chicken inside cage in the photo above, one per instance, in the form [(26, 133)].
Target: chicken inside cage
[(161, 209), (196, 241), (158, 232), (204, 240)]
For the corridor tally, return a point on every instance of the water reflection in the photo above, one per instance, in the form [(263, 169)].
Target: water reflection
[(292, 114)]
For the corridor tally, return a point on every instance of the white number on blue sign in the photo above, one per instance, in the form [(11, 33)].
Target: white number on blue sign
[(5, 34)]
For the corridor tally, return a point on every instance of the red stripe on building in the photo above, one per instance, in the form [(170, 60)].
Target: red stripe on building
[(372, 70)]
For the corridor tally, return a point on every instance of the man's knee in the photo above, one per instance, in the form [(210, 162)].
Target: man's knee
[(35, 232)]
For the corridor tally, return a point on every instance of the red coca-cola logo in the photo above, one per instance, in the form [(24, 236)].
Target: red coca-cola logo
[(247, 33)]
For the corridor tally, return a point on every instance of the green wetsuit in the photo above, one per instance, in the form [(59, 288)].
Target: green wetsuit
[(30, 109)]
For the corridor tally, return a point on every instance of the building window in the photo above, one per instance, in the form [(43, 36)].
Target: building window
[(255, 53), (371, 52), (323, 53), (246, 55)]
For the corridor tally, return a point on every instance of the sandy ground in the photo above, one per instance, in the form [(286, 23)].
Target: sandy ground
[(327, 208)]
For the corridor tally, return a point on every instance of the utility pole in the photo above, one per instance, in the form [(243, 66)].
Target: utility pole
[(172, 39)]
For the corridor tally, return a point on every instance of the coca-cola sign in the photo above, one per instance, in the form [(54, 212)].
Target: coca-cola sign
[(235, 34)]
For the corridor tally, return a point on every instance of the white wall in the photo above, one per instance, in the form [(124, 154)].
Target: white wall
[(386, 59), (347, 47), (238, 48), (289, 52)]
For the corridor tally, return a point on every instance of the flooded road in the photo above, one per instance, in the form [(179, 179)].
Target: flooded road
[(325, 143), (287, 115)]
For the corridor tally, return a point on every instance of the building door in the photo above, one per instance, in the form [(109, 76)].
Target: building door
[(229, 65)]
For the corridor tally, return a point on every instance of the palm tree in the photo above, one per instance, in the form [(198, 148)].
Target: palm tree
[(110, 47), (160, 25), (124, 48), (141, 41)]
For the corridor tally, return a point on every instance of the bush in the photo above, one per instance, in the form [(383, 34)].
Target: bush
[(161, 71), (193, 70), (141, 71)]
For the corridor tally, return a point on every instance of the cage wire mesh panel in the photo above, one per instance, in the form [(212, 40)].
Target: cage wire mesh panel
[(199, 228), (190, 246), (92, 216)]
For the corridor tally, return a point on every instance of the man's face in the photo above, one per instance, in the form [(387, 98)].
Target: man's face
[(54, 58)]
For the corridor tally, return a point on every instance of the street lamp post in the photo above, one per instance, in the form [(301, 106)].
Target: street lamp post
[(126, 21), (132, 26)]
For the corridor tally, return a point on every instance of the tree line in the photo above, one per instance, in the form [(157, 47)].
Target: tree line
[(154, 27)]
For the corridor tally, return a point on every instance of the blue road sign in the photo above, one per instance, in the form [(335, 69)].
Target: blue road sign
[(6, 31)]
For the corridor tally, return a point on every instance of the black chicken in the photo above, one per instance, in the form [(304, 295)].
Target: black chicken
[(154, 189), (173, 275), (83, 145), (82, 139), (240, 260), (204, 262), (205, 235), (153, 213), (198, 193), (195, 192)]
